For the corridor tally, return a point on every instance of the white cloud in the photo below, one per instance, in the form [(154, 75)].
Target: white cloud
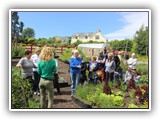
[(132, 22)]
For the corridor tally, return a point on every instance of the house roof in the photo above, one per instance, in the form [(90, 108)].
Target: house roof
[(84, 34), (93, 45), (90, 34)]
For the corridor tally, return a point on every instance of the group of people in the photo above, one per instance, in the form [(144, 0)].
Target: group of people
[(108, 66), (43, 68)]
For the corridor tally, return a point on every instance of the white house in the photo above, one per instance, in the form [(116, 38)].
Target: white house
[(87, 36)]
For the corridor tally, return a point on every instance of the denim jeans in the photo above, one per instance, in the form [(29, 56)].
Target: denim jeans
[(120, 71), (75, 81)]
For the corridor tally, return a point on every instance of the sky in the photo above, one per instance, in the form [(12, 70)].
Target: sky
[(113, 25)]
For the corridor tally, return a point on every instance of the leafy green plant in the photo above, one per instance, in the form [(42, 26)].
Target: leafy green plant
[(123, 88), (118, 101), (112, 84), (33, 104), (66, 55), (132, 106), (142, 69), (18, 51), (144, 79), (21, 90), (131, 97), (118, 93), (94, 95)]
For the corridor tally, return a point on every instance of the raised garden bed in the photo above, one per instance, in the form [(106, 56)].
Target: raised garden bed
[(92, 96)]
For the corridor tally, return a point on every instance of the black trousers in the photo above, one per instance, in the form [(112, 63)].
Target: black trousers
[(56, 83), (36, 81)]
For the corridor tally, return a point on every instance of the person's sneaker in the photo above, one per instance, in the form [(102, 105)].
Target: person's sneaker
[(35, 93)]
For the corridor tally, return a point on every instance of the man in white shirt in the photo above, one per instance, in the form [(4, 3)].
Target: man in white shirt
[(35, 59), (132, 62)]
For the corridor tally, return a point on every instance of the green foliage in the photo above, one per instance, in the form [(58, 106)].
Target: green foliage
[(141, 38), (118, 93), (54, 51), (17, 27), (124, 45), (142, 69), (142, 58), (95, 96), (28, 33), (131, 97), (21, 90), (66, 55), (18, 51), (112, 84), (77, 43), (31, 40), (118, 101), (144, 79), (88, 89), (123, 88), (33, 104), (132, 106)]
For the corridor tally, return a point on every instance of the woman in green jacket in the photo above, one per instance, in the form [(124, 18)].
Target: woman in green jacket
[(46, 68)]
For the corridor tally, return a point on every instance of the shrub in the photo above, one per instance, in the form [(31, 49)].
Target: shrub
[(144, 79), (18, 51), (66, 55), (142, 69), (143, 58), (21, 91)]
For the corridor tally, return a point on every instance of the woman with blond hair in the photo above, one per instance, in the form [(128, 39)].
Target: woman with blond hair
[(110, 67), (46, 68), (75, 70), (92, 68)]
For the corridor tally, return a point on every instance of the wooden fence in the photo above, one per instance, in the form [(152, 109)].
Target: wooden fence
[(59, 50)]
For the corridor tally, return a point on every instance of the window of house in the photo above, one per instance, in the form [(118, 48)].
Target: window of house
[(76, 37), (97, 37), (86, 37)]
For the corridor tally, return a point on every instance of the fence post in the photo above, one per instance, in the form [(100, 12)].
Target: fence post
[(61, 49), (31, 48)]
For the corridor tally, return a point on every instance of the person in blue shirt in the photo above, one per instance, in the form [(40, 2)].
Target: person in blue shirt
[(75, 70)]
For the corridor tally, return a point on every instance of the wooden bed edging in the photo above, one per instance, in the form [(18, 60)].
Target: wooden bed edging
[(81, 103)]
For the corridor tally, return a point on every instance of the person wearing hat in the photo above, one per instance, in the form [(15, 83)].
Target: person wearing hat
[(26, 65), (35, 59)]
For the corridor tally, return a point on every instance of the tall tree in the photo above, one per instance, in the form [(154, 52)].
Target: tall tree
[(141, 38), (28, 33), (16, 28)]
